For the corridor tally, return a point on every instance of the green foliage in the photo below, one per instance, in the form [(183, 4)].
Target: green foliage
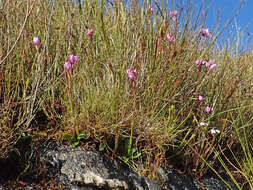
[(74, 139), (132, 152)]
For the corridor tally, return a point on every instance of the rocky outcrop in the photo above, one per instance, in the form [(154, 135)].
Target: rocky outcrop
[(90, 169), (81, 170), (76, 169)]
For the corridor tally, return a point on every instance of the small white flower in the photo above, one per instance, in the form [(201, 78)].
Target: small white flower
[(214, 131), (203, 124)]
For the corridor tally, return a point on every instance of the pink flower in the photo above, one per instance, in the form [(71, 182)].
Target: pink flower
[(72, 59), (200, 62), (213, 67), (173, 13), (36, 41), (131, 74), (90, 32), (171, 38), (208, 109), (200, 98), (68, 65), (209, 63), (110, 65), (151, 9), (21, 182), (205, 32)]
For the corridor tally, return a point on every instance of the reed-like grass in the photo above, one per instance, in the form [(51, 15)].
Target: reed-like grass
[(155, 118)]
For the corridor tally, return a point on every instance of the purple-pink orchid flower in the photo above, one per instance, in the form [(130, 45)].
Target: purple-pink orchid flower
[(200, 63), (73, 58), (171, 38), (173, 13), (90, 33), (131, 74), (151, 8), (211, 65), (200, 98), (68, 65), (205, 32), (36, 41), (208, 109)]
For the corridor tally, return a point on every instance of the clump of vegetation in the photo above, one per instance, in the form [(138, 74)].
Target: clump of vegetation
[(147, 82)]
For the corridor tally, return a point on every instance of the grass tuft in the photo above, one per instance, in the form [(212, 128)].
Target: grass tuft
[(152, 114)]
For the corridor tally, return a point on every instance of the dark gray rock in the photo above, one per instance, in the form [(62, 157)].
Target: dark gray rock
[(180, 182), (176, 181), (2, 188), (76, 169), (90, 169), (81, 170), (212, 183)]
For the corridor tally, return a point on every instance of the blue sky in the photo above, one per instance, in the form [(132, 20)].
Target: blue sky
[(226, 8), (243, 21)]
